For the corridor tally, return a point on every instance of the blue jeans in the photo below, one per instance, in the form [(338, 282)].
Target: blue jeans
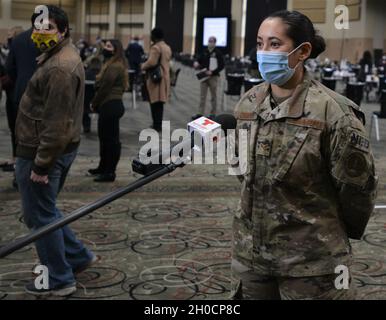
[(60, 251)]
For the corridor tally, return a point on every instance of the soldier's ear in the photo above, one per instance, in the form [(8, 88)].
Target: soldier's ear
[(305, 51)]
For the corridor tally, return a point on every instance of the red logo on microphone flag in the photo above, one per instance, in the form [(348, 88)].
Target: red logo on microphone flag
[(207, 122)]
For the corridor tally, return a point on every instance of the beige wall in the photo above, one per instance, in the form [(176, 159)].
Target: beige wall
[(368, 33), (237, 12), (376, 25), (188, 27), (116, 24), (7, 22)]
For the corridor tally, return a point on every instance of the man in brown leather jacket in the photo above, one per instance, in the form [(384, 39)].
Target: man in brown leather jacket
[(48, 130)]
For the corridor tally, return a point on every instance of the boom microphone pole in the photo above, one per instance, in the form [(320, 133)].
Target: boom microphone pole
[(85, 210)]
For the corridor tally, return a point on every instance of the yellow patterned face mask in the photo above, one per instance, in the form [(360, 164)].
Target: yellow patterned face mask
[(45, 42)]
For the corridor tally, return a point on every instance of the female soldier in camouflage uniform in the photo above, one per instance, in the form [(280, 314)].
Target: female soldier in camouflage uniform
[(310, 182)]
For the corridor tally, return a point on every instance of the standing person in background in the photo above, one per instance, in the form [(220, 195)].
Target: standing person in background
[(91, 72), (20, 67), (366, 64), (211, 59), (11, 105), (48, 130), (160, 54), (110, 85), (134, 53), (382, 67)]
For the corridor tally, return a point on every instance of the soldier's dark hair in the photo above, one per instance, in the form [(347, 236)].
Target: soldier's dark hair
[(300, 29)]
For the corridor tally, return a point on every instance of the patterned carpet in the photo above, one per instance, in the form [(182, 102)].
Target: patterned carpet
[(170, 240)]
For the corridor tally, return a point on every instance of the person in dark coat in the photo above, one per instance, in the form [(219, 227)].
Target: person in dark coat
[(366, 64), (20, 67), (134, 53), (91, 72)]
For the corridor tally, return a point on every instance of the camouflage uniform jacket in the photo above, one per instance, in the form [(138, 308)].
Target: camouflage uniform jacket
[(309, 185)]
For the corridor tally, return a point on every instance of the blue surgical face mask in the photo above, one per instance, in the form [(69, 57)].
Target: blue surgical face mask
[(274, 67)]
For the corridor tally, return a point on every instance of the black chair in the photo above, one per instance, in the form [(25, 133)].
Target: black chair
[(354, 91), (356, 69), (383, 104), (329, 82), (132, 79), (133, 86), (378, 115), (382, 83), (250, 83), (235, 82), (173, 82), (328, 72), (144, 92)]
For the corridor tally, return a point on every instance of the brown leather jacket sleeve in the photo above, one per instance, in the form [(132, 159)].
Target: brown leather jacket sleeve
[(57, 118)]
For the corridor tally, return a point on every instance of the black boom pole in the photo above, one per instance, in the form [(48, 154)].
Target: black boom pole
[(85, 210)]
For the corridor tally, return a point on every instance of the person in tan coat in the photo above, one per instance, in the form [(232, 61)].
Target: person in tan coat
[(160, 53)]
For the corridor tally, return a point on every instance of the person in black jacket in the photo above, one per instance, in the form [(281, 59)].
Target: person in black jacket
[(20, 67), (211, 59), (134, 53), (366, 64), (91, 72)]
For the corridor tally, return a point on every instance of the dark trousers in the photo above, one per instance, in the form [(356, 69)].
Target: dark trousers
[(11, 110), (108, 133), (157, 113), (86, 121)]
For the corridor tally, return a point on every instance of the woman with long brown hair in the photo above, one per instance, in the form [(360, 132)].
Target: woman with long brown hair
[(110, 85)]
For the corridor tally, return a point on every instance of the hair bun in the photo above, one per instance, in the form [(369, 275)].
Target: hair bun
[(318, 46)]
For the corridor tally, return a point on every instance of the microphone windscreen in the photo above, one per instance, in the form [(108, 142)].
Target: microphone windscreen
[(197, 116), (227, 121)]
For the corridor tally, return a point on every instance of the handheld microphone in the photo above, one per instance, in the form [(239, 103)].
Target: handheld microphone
[(151, 173), (205, 130)]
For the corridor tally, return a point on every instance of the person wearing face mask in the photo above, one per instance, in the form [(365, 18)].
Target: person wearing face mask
[(309, 184), (160, 55), (48, 128), (110, 85), (212, 60)]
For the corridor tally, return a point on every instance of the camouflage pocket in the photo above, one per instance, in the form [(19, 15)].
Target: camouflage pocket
[(288, 154)]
